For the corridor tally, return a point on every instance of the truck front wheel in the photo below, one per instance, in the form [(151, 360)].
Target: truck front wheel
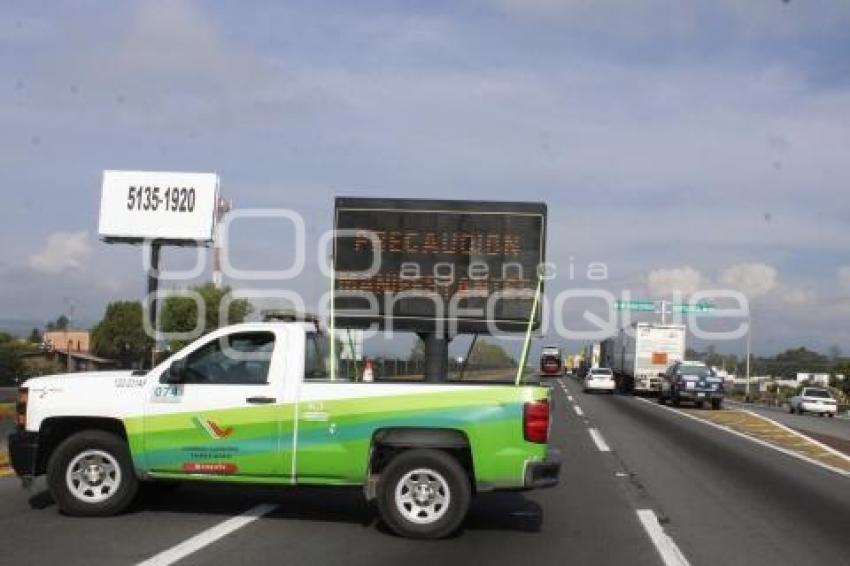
[(423, 494), (90, 474)]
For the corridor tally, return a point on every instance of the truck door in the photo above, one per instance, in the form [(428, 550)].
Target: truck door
[(226, 416)]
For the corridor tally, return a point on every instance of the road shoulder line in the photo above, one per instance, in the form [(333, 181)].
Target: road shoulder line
[(808, 438), (750, 438)]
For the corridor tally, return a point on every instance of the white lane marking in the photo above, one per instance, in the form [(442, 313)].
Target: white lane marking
[(570, 397), (666, 547), (209, 536), (759, 441), (599, 440), (578, 410), (799, 434)]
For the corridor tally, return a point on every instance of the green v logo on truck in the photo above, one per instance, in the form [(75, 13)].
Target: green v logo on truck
[(213, 429)]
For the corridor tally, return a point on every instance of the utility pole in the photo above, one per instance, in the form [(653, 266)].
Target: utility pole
[(749, 343)]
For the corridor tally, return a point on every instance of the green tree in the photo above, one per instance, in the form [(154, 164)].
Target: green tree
[(12, 353), (843, 368), (60, 323), (489, 355), (35, 336), (121, 334), (180, 314)]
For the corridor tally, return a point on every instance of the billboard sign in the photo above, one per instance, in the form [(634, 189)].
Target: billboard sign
[(176, 208), (431, 265)]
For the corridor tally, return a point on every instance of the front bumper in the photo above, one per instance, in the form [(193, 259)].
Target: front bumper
[(545, 473), (699, 395), (23, 452)]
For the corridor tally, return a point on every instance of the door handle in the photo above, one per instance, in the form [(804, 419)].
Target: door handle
[(260, 400)]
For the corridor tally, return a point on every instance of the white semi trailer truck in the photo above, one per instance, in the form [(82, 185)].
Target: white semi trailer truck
[(640, 352)]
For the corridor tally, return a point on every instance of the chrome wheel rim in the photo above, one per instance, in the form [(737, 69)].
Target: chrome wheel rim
[(93, 476), (422, 496)]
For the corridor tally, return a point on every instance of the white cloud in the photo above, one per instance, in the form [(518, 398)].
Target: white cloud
[(751, 279), (794, 296), (680, 280), (64, 251)]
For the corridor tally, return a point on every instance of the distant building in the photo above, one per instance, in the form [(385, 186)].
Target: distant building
[(71, 349), (67, 340), (813, 378)]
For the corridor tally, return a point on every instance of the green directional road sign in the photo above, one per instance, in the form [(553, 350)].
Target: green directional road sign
[(696, 307), (646, 306)]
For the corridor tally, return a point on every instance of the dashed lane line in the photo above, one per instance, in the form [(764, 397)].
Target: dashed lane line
[(578, 410), (209, 536), (599, 440), (666, 547)]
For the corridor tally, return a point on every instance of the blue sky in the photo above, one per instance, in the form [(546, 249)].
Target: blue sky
[(686, 145)]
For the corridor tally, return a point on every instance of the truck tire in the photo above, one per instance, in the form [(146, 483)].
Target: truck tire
[(716, 404), (423, 494), (90, 474)]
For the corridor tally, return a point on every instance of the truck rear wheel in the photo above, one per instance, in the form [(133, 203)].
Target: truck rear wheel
[(90, 474), (423, 494)]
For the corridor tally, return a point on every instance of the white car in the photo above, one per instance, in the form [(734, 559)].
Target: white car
[(599, 379), (814, 400)]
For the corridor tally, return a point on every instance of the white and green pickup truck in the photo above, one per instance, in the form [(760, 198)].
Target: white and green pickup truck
[(252, 403)]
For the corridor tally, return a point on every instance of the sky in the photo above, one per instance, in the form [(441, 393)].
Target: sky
[(687, 146)]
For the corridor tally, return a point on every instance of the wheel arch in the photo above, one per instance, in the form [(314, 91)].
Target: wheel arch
[(55, 430), (388, 442)]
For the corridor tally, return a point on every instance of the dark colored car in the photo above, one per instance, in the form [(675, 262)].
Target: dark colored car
[(694, 382)]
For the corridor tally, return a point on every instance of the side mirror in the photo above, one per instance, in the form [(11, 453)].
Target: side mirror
[(176, 372)]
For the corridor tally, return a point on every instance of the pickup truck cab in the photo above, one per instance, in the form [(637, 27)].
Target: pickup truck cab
[(814, 400), (253, 403)]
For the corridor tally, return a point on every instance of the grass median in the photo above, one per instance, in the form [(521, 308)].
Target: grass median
[(769, 431)]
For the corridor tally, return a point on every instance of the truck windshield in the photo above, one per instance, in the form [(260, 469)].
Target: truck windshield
[(696, 371)]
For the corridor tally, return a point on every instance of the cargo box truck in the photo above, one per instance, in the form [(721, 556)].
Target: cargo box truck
[(640, 352)]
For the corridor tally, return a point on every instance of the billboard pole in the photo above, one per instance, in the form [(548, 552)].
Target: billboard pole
[(527, 343), (153, 287), (436, 356)]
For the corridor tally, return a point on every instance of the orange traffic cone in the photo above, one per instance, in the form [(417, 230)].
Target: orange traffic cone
[(369, 371)]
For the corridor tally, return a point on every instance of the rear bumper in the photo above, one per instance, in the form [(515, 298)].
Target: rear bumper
[(545, 473), (818, 408), (600, 385), (23, 452)]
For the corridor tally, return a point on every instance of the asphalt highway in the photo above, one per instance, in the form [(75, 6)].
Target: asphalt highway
[(640, 485)]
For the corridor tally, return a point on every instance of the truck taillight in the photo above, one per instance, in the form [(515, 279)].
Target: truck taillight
[(21, 408), (535, 421)]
